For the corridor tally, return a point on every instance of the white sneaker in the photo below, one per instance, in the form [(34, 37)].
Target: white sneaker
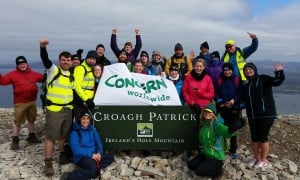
[(261, 163), (253, 162)]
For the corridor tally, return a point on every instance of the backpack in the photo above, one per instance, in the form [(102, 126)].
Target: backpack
[(183, 69), (45, 86), (236, 81)]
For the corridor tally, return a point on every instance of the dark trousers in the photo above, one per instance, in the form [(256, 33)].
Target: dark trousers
[(87, 170), (231, 117), (204, 166)]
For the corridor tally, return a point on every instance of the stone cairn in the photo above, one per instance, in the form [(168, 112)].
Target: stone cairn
[(27, 163)]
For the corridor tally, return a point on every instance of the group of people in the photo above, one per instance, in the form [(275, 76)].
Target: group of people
[(216, 88)]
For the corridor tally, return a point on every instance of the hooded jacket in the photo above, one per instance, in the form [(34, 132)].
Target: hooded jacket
[(211, 136), (258, 94), (85, 142)]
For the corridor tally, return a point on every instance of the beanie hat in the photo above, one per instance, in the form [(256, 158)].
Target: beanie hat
[(100, 45), (211, 107), (122, 52), (174, 68), (227, 65), (177, 47), (155, 53), (75, 57), (20, 59), (204, 45), (215, 54), (85, 113), (144, 53), (92, 54)]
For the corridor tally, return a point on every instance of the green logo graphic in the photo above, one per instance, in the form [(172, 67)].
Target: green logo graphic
[(144, 130)]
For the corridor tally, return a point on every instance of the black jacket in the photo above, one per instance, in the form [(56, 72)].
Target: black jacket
[(258, 95)]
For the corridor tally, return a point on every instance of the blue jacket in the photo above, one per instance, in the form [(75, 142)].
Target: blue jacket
[(85, 142), (228, 89)]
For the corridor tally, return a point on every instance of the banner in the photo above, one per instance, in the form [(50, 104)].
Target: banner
[(118, 86), (147, 128)]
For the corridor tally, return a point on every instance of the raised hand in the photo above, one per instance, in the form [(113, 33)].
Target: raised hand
[(44, 42), (252, 36), (137, 31), (278, 66), (114, 31)]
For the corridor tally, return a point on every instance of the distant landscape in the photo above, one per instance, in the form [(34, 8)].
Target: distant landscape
[(290, 85), (286, 96)]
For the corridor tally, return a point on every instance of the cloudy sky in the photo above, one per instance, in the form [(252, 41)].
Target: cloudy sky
[(70, 25)]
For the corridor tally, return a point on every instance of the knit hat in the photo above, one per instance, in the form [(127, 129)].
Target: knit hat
[(174, 68), (75, 57), (92, 54), (122, 52), (155, 53), (211, 107), (177, 47), (215, 54), (227, 65), (230, 42), (20, 59), (85, 113), (204, 45), (144, 53), (100, 45)]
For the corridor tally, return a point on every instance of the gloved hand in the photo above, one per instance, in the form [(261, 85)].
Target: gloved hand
[(90, 103), (79, 51)]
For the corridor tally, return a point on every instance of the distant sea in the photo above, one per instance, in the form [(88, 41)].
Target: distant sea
[(286, 103)]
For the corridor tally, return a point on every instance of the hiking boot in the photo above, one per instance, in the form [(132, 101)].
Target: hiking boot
[(63, 158), (32, 139), (15, 143), (49, 171)]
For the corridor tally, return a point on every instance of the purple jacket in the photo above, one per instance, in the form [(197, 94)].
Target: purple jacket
[(133, 54), (214, 69)]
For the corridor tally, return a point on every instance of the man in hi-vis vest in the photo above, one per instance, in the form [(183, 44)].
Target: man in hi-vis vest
[(238, 56), (59, 105)]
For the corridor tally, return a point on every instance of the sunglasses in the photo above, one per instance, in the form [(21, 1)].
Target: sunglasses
[(229, 46)]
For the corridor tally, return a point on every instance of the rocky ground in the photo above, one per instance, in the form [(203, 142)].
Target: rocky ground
[(27, 163)]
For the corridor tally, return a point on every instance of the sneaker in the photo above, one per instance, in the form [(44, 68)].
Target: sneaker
[(252, 162), (15, 143), (261, 163), (32, 139), (49, 171), (234, 155)]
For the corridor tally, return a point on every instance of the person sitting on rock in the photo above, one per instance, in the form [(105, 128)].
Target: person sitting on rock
[(87, 149), (210, 160)]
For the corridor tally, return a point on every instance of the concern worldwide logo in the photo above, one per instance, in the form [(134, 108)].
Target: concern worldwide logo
[(144, 129)]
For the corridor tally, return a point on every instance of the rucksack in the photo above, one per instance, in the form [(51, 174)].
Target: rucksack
[(236, 81), (45, 86)]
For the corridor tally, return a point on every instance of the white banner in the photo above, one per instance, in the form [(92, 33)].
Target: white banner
[(118, 86)]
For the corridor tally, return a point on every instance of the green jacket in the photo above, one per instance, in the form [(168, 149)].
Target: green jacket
[(211, 136)]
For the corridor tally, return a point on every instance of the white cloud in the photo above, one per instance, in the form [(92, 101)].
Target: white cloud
[(70, 25)]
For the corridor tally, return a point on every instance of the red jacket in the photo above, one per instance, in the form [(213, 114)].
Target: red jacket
[(24, 84), (198, 91)]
